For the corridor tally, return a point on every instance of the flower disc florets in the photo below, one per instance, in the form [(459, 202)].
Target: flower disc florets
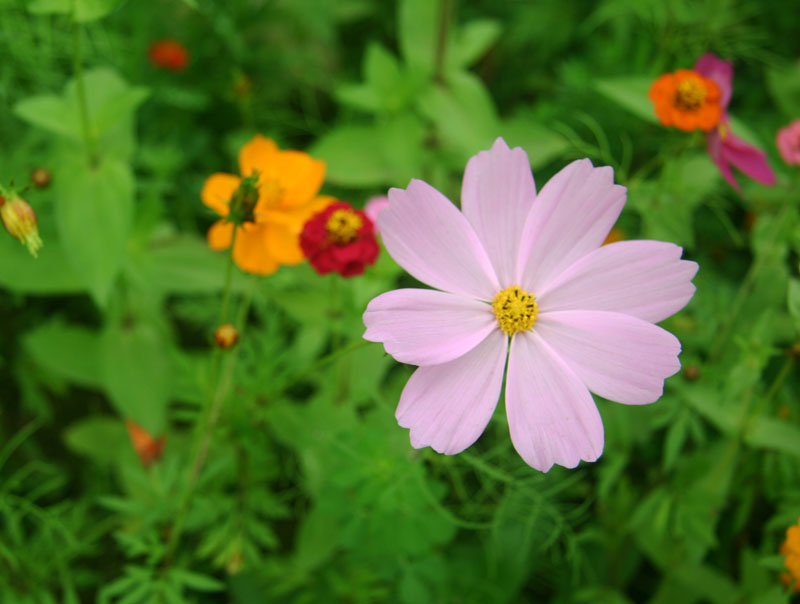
[(515, 310), (687, 100), (339, 239)]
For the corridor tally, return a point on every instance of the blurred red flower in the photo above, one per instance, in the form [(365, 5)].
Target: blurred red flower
[(169, 54)]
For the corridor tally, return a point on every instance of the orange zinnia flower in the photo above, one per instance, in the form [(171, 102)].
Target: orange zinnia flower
[(287, 183), (687, 100), (791, 549)]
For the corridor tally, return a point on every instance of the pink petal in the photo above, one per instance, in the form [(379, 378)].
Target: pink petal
[(431, 239), (427, 327), (571, 216), (720, 71), (749, 159), (646, 279), (715, 150), (448, 406), (496, 196), (617, 356), (374, 206), (551, 415)]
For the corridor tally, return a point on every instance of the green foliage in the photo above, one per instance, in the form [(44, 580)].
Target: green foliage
[(276, 471)]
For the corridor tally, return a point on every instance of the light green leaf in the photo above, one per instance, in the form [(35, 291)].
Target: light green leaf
[(136, 373), (418, 22), (49, 273), (631, 94), (97, 437), (774, 434), (94, 206), (69, 351), (52, 113), (379, 155), (471, 41)]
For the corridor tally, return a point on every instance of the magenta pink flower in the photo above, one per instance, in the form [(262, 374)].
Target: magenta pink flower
[(724, 148), (788, 141), (524, 278), (374, 206)]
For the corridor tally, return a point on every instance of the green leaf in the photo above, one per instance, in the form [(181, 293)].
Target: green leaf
[(94, 206), (52, 113), (69, 351), (48, 273), (136, 373), (83, 11), (783, 83), (471, 41), (418, 22), (380, 155), (629, 93), (774, 434), (97, 438), (196, 581), (463, 114)]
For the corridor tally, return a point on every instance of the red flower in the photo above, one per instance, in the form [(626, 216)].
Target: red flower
[(169, 54), (339, 238)]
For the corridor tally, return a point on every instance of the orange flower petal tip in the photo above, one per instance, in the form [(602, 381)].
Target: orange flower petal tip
[(147, 448), (169, 54)]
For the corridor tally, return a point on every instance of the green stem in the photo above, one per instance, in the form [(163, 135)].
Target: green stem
[(83, 105), (205, 428), (445, 8), (226, 291)]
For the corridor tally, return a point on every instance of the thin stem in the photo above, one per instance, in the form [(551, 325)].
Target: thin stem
[(226, 291), (83, 105), (445, 8), (205, 429)]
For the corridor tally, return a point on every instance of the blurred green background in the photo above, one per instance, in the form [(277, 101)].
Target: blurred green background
[(311, 492)]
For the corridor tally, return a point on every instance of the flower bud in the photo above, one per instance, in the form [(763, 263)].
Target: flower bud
[(147, 448), (20, 221), (41, 178), (226, 336), (243, 203)]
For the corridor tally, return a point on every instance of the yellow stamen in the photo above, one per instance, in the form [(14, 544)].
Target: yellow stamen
[(691, 95), (515, 309), (343, 226)]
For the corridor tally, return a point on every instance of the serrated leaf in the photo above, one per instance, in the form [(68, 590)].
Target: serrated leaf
[(94, 207)]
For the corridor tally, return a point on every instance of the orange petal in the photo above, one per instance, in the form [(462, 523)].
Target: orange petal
[(219, 235), (294, 218), (250, 251), (218, 190), (283, 244), (147, 448), (257, 154), (300, 176)]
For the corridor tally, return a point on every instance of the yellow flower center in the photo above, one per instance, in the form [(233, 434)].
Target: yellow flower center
[(515, 309), (343, 226), (691, 94)]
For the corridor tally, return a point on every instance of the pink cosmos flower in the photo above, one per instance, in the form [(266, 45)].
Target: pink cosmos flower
[(788, 141), (724, 148), (523, 277), (374, 206)]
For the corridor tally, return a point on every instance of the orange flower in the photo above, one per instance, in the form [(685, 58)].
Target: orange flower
[(687, 100), (791, 549), (287, 183), (148, 449)]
